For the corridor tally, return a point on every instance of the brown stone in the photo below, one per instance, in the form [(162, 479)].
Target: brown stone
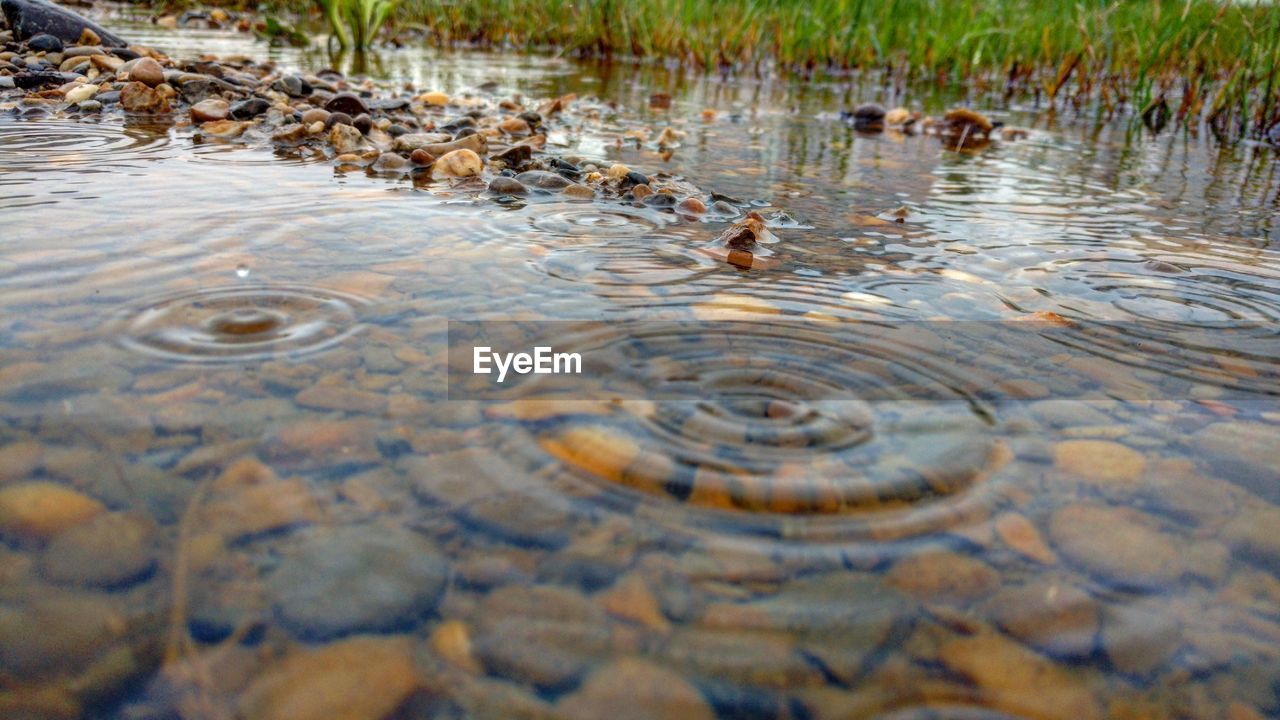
[(630, 599), (1100, 461), (1019, 681), (1051, 615), (457, 164), (363, 678), (943, 576), (632, 689), (451, 640), (147, 71), (210, 110), (41, 510), (1121, 546), (138, 98), (1021, 535), (20, 459)]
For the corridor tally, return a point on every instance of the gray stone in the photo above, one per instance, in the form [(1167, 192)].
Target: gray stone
[(29, 18), (357, 579)]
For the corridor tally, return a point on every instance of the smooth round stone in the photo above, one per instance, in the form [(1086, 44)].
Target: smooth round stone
[(45, 43), (249, 109), (582, 192), (41, 510), (315, 115), (112, 550), (507, 186), (357, 579), (345, 102), (147, 71), (1050, 614), (1119, 545), (210, 110), (630, 689), (543, 180)]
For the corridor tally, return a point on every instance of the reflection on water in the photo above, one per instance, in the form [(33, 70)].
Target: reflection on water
[(232, 482)]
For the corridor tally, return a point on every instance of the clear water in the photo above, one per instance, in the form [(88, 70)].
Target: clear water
[(241, 355)]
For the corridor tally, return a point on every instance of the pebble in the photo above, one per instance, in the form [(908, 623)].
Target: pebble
[(507, 186), (1100, 461), (1140, 636), (346, 102), (457, 164), (517, 519), (59, 634), (897, 116), (362, 678), (44, 43), (1049, 614), (451, 640), (388, 162), (542, 635), (1018, 681), (1119, 545), (421, 157), (20, 459), (109, 63), (338, 118), (581, 192), (635, 689), (417, 141), (314, 115), (80, 93), (146, 71), (357, 579), (434, 99), (1022, 536), (543, 180), (617, 172), (514, 126), (345, 139), (691, 206), (597, 450), (224, 128), (1244, 452), (210, 110), (249, 109), (41, 510), (136, 97), (109, 551), (943, 576)]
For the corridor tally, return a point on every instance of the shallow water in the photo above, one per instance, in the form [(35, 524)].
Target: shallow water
[(843, 512)]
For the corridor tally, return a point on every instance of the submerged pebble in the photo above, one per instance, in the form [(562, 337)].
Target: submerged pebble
[(357, 579)]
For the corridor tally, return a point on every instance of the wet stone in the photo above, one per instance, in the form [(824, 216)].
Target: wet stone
[(109, 551), (633, 689), (1016, 680), (60, 633), (363, 678), (210, 110), (1048, 614), (29, 18), (1245, 452), (41, 510), (545, 636), (519, 519), (943, 576), (1120, 546), (507, 186), (146, 71), (357, 579), (45, 43), (1139, 636), (543, 180), (348, 103), (249, 109)]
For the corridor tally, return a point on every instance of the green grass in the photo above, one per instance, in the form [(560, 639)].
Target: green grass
[(1188, 60)]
